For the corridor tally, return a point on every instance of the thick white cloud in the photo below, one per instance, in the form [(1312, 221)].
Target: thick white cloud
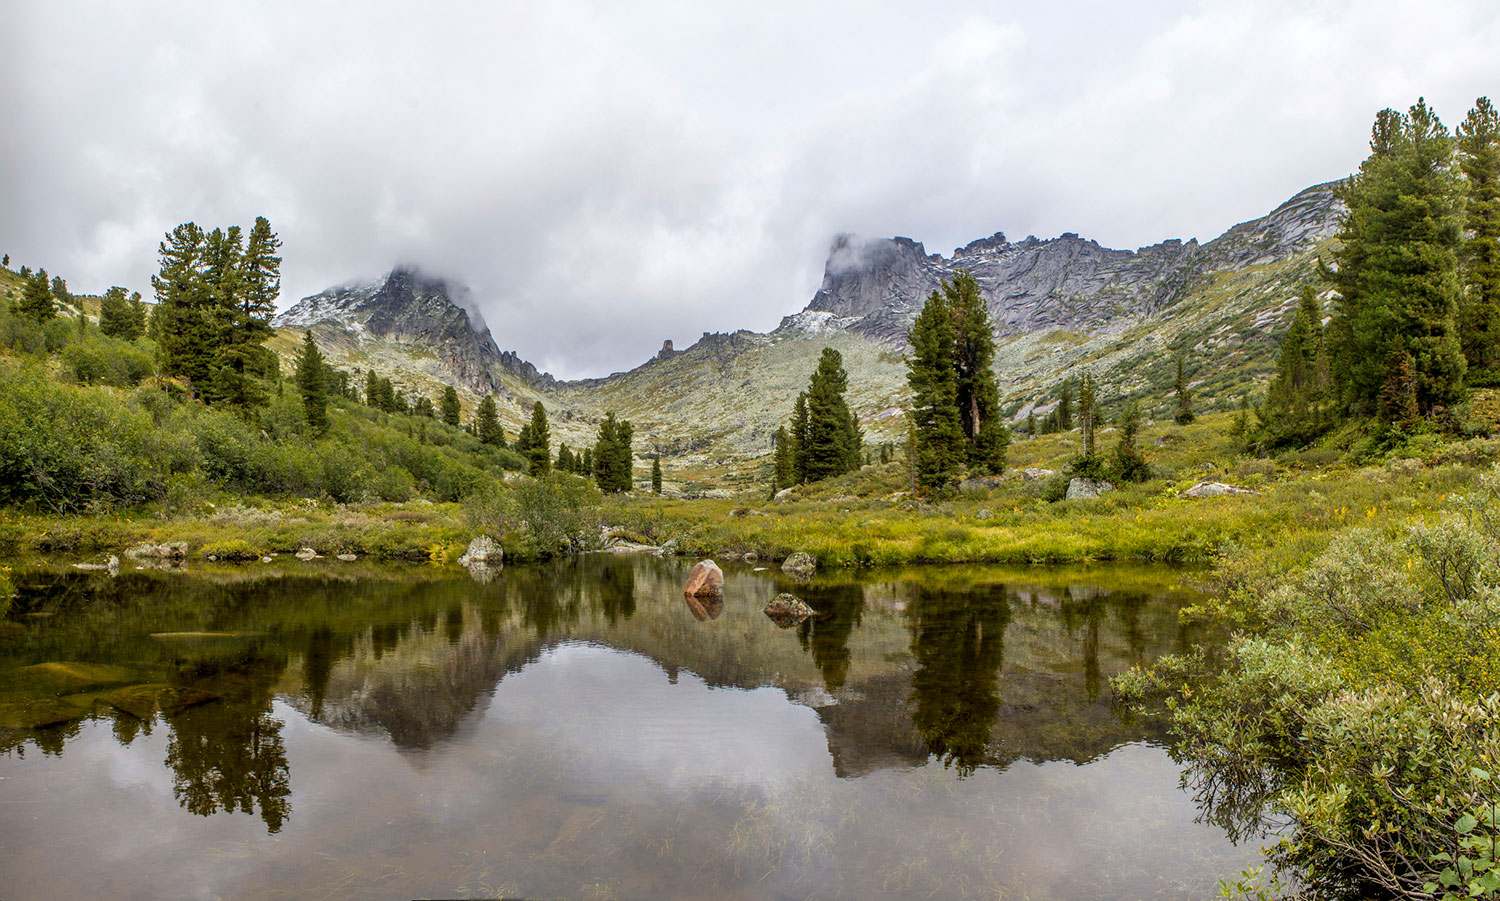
[(605, 175)]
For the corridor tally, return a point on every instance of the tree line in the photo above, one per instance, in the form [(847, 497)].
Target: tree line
[(1415, 286)]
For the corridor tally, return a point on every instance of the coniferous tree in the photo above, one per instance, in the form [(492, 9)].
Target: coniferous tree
[(798, 440), (372, 389), (60, 291), (184, 324), (1396, 269), (586, 465), (564, 461), (451, 411), (986, 435), (1295, 409), (487, 422), (5, 262), (656, 473), (118, 316), (612, 455), (311, 382), (1064, 409), (1479, 314), (539, 447), (832, 443), (1129, 465), (1030, 424), (1088, 464), (937, 430), (36, 299), (422, 407), (783, 470), (1184, 413)]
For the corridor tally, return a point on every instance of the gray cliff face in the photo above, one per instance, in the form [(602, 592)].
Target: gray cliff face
[(875, 288), (411, 308)]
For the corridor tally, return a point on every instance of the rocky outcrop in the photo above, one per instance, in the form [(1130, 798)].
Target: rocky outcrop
[(482, 550), (1208, 488), (1084, 489), (787, 610), (1036, 472), (704, 580)]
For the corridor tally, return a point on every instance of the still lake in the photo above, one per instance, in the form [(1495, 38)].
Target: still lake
[(579, 730)]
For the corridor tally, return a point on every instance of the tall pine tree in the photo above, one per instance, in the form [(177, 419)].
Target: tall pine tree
[(833, 442), (985, 433), (1479, 314), (487, 422), (449, 409), (1295, 409), (539, 444), (1396, 268), (937, 430), (656, 473), (1184, 413), (312, 384), (36, 299)]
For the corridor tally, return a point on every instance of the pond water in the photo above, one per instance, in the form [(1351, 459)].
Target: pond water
[(579, 730)]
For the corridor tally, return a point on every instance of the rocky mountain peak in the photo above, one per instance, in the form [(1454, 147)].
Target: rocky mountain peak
[(875, 287), (416, 310)]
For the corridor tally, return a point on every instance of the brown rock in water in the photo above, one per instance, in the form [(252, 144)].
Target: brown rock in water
[(705, 607), (800, 563), (705, 580), (787, 610)]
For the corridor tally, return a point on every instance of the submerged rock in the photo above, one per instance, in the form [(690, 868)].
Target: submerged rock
[(483, 549), (166, 550), (704, 580), (1207, 488), (347, 558), (110, 565), (800, 563), (306, 553), (1083, 489), (787, 610)]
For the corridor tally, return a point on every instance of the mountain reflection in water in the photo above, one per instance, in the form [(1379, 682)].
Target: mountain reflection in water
[(589, 682)]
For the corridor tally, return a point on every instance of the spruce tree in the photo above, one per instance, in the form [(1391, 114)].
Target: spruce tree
[(422, 407), (117, 316), (1129, 465), (1479, 313), (1295, 409), (36, 299), (1064, 409), (656, 473), (450, 409), (523, 441), (937, 433), (539, 449), (985, 432), (783, 471), (564, 461), (832, 444), (1396, 269), (184, 323), (586, 465), (1088, 465), (798, 440), (311, 382), (372, 389), (1184, 413), (487, 422), (60, 291), (605, 459)]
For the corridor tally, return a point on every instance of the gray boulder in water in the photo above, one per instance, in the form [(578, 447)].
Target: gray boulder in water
[(787, 610), (482, 549), (800, 563)]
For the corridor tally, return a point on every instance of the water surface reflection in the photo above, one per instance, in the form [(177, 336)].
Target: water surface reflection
[(577, 729)]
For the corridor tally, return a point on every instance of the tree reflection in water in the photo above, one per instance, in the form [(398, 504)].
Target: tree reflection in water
[(958, 640), (228, 755), (839, 609)]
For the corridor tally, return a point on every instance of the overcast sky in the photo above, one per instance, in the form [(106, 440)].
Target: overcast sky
[(605, 175)]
